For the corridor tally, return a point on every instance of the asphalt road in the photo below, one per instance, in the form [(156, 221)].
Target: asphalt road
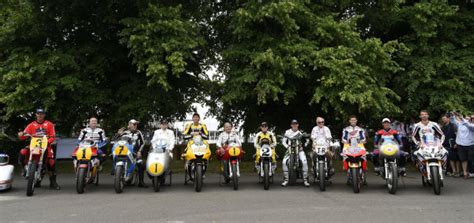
[(179, 203)]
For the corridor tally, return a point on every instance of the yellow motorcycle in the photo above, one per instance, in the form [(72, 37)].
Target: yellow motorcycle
[(197, 156), (86, 164)]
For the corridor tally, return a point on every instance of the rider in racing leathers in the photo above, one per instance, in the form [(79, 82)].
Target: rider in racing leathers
[(97, 135), (422, 129), (138, 143), (264, 135), (290, 133), (387, 131), (226, 137)]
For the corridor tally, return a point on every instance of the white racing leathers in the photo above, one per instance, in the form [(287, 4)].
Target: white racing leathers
[(302, 156), (421, 133)]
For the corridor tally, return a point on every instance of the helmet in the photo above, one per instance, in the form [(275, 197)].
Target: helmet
[(4, 159)]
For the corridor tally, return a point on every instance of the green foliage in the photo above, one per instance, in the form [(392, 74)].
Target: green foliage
[(276, 60), (293, 52)]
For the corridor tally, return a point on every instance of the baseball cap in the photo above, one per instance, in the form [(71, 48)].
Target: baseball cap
[(40, 110), (294, 121), (133, 121), (386, 120), (264, 124)]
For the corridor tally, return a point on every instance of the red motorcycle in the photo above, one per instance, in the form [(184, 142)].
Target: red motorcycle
[(230, 163), (355, 163)]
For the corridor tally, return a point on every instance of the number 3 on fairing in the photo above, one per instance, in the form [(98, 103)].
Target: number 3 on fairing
[(265, 152)]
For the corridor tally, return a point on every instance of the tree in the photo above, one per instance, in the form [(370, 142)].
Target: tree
[(114, 60), (296, 59)]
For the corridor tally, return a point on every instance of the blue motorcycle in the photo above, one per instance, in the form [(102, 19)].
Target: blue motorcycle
[(124, 163)]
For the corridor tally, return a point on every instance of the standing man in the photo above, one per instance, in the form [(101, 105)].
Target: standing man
[(425, 128), (449, 130), (464, 140), (41, 127), (138, 143), (290, 133)]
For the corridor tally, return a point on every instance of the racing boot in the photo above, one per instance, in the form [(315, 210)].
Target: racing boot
[(285, 179), (141, 176), (52, 183)]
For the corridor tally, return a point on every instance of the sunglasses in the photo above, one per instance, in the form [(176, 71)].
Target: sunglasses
[(320, 122)]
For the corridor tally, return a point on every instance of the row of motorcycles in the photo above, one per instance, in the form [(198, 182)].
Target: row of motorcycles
[(197, 155), (430, 162), (87, 164)]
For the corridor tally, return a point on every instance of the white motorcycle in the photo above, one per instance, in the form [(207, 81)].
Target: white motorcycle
[(158, 164), (321, 163), (6, 172), (430, 161)]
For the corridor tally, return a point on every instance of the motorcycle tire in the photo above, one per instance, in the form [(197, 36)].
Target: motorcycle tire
[(355, 173), (30, 188), (322, 177), (292, 173), (435, 179), (80, 180), (235, 178), (118, 179), (156, 184), (392, 181), (198, 178), (266, 175)]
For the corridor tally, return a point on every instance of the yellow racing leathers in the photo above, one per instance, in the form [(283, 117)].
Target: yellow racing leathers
[(264, 137)]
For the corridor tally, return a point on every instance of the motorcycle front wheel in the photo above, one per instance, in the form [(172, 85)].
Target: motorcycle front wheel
[(355, 173), (198, 178), (235, 178), (292, 170), (392, 180), (118, 180), (435, 178), (80, 180), (266, 175), (30, 188), (156, 184), (322, 177)]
